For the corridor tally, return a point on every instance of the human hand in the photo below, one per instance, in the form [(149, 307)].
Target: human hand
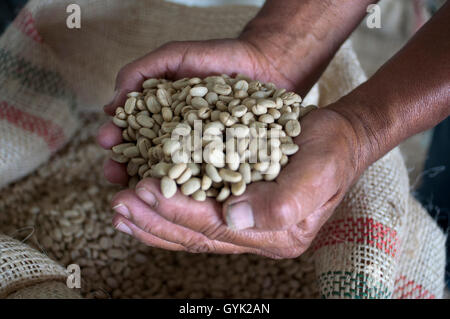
[(286, 213), (188, 59), (278, 219)]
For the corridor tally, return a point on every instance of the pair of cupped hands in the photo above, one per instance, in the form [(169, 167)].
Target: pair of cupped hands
[(278, 219)]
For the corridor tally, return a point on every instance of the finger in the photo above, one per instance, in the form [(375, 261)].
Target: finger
[(163, 62), (205, 218), (127, 204), (181, 209), (304, 185), (109, 135), (115, 173), (126, 226)]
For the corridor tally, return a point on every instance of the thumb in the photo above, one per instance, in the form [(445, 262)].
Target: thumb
[(159, 63), (266, 206)]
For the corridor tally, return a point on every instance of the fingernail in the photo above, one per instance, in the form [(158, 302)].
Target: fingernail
[(146, 196), (123, 210), (124, 228), (240, 216)]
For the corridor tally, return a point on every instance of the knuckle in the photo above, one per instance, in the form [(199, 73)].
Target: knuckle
[(196, 245), (214, 231), (150, 228)]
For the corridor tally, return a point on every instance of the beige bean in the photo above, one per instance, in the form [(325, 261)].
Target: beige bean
[(194, 81), (256, 176), (185, 176), (211, 98), (275, 113), (266, 118), (290, 98), (275, 154), (168, 187), (266, 103), (199, 195), (212, 192), (150, 83), (229, 175), (233, 160), (259, 109), (138, 160), (132, 168), (143, 146), (191, 186), (199, 102), (240, 130), (241, 85), (222, 89), (171, 146), (130, 105), (152, 104), (292, 128), (245, 171), (223, 194), (204, 112), (144, 121), (160, 169), (148, 133), (133, 123), (227, 119), (164, 98), (239, 110), (247, 118), (119, 148), (120, 123), (143, 169), (167, 114), (284, 160), (131, 151), (261, 166), (212, 172), (289, 149), (238, 188), (177, 170), (285, 117), (206, 182), (119, 158), (198, 91)]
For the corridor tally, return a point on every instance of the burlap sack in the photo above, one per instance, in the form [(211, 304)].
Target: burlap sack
[(364, 251), (26, 273)]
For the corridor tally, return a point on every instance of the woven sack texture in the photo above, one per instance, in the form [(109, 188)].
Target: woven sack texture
[(358, 254), (45, 290), (22, 267)]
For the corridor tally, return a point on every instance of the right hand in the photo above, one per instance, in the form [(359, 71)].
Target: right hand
[(176, 60)]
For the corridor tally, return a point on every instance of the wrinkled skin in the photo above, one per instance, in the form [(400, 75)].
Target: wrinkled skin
[(288, 212)]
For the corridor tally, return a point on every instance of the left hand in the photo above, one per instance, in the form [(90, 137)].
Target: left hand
[(278, 219)]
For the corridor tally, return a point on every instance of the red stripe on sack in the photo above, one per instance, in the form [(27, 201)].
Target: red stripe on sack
[(25, 23), (360, 231), (52, 134), (409, 288)]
